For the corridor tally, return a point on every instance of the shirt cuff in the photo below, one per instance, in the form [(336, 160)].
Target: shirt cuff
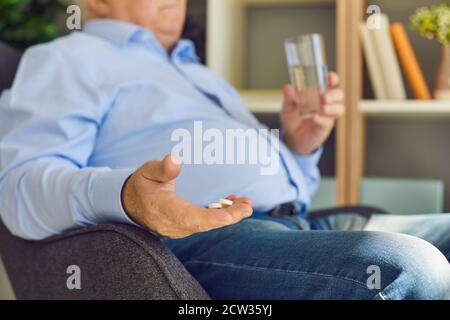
[(107, 197), (310, 162)]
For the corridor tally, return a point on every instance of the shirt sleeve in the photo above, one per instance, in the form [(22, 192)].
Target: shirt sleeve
[(310, 167), (49, 121)]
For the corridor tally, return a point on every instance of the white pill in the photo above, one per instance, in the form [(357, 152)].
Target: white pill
[(226, 202), (215, 206)]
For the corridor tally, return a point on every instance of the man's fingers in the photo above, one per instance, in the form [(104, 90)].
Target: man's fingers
[(324, 122), (183, 219), (241, 209), (291, 98), (162, 171), (197, 219), (332, 104), (333, 96), (290, 93), (209, 219), (233, 197), (333, 79), (333, 110)]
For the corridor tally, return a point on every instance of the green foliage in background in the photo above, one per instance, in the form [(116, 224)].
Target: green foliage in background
[(433, 23), (27, 22)]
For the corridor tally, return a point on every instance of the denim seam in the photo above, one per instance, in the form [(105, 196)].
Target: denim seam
[(276, 269)]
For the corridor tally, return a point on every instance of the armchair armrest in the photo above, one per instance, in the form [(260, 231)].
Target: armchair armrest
[(364, 211), (115, 261)]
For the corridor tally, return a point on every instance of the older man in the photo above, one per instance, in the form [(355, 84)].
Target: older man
[(88, 109)]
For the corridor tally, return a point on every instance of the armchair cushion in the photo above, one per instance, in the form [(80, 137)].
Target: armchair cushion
[(365, 211), (115, 261)]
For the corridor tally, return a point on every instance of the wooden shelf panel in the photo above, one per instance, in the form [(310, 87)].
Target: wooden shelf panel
[(262, 101), (408, 108), (270, 101)]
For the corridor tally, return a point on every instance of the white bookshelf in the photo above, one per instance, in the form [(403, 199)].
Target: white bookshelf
[(226, 24), (270, 101), (226, 34)]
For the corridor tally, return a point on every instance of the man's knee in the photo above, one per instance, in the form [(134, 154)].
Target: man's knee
[(412, 269)]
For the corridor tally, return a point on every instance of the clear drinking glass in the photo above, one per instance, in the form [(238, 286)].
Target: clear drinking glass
[(308, 70)]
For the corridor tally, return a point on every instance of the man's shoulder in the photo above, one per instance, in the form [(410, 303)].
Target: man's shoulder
[(77, 45)]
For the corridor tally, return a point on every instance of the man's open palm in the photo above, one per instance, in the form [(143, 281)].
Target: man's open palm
[(149, 199)]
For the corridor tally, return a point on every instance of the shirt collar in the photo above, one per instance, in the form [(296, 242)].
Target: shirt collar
[(185, 51), (115, 31), (123, 33)]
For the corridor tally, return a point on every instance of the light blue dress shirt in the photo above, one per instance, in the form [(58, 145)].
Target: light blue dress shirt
[(88, 109)]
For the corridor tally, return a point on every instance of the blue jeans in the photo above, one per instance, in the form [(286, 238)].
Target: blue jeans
[(343, 256)]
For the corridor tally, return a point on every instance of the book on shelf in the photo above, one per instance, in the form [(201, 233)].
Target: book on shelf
[(376, 76), (388, 50), (409, 62), (383, 65)]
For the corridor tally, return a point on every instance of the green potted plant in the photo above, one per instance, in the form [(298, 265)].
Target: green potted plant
[(434, 23), (27, 22)]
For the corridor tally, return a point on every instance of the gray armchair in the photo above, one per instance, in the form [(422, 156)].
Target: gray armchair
[(116, 261)]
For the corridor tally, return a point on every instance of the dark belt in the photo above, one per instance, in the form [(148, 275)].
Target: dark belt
[(288, 211), (284, 210)]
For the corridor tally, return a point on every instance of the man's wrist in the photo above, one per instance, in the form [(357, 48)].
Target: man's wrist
[(311, 161), (127, 199), (292, 145), (124, 195), (107, 196)]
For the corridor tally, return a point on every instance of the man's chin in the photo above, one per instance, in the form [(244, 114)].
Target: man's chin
[(169, 36), (166, 7)]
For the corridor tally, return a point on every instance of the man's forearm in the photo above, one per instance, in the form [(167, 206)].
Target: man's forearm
[(310, 168), (48, 196)]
